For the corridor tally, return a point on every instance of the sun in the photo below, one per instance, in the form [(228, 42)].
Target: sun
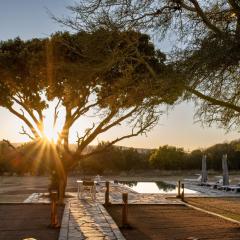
[(50, 133), (51, 130)]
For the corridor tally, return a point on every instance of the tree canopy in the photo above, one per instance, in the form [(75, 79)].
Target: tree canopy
[(206, 49), (104, 72)]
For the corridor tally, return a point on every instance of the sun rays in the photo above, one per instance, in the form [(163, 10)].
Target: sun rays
[(45, 157), (53, 124), (50, 133)]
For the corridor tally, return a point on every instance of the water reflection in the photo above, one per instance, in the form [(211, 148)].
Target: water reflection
[(149, 187), (165, 186), (153, 187), (127, 183)]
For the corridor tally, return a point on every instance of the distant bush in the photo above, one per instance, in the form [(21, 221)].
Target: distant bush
[(168, 158), (115, 159)]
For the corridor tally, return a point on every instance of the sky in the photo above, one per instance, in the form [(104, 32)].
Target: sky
[(29, 19)]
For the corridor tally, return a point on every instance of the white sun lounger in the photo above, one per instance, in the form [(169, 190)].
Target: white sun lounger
[(194, 179)]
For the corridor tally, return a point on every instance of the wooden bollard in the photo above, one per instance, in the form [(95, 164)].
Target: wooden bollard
[(178, 189), (182, 195), (54, 217), (125, 210), (107, 195)]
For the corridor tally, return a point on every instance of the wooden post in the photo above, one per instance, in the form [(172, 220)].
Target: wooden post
[(182, 195), (54, 217), (125, 210), (178, 189), (107, 203)]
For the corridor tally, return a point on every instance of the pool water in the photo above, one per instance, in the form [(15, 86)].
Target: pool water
[(154, 187)]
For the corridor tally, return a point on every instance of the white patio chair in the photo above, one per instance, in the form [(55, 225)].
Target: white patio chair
[(86, 187)]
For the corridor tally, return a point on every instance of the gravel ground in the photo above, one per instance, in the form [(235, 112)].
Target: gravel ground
[(20, 221), (165, 222), (229, 207)]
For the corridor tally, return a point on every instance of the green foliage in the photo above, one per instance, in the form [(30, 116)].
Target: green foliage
[(22, 71), (37, 159), (115, 159), (111, 64), (215, 153), (194, 159), (166, 157), (172, 158)]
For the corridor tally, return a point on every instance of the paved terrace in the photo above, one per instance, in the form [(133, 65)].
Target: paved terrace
[(115, 196), (87, 219)]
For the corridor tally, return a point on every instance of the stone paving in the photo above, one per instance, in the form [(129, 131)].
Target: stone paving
[(84, 219), (205, 191), (37, 198), (116, 191), (115, 196)]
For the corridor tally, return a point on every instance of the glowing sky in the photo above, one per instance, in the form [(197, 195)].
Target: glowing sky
[(29, 18)]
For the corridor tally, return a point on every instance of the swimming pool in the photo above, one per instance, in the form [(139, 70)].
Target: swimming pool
[(153, 187)]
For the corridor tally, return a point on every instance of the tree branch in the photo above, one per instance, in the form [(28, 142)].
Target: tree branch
[(133, 134), (26, 121), (87, 132), (81, 111), (213, 101), (56, 113), (155, 13), (96, 131), (24, 132), (119, 120), (185, 6), (236, 7), (9, 144), (31, 114), (204, 18)]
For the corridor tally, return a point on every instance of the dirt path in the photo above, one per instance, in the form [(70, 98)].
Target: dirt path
[(19, 221), (168, 222)]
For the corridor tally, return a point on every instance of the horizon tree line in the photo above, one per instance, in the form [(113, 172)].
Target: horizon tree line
[(116, 159)]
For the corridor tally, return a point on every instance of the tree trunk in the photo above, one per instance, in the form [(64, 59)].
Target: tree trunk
[(62, 184), (58, 177)]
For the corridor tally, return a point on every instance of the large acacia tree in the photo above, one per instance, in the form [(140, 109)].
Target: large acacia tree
[(207, 50), (105, 73)]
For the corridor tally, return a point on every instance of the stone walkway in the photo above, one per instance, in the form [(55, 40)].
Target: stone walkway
[(84, 219)]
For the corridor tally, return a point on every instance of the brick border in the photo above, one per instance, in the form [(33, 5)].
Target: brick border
[(63, 234), (111, 222)]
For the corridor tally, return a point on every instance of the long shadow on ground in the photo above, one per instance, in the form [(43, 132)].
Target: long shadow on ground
[(19, 221), (167, 222)]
